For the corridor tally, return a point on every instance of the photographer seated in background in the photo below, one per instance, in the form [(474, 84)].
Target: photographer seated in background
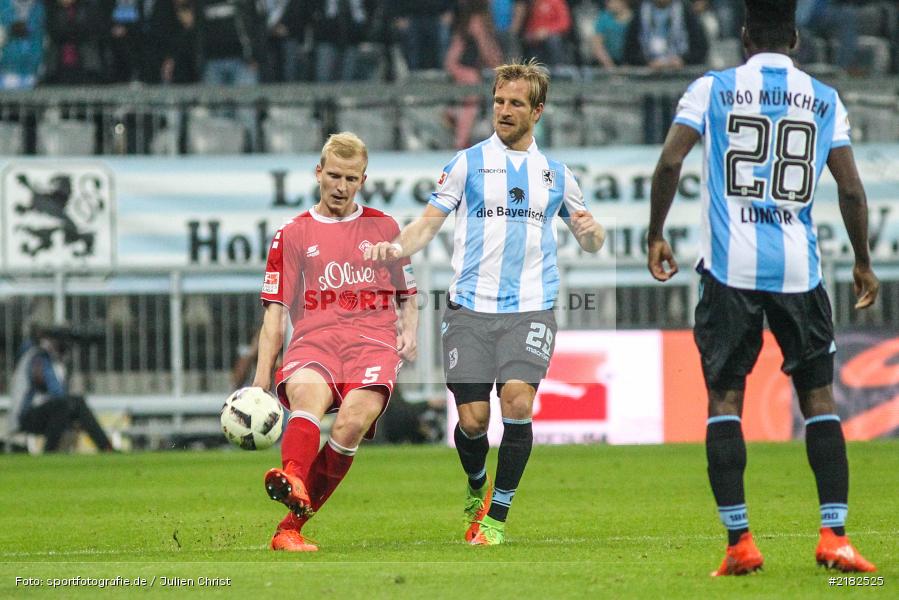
[(41, 403)]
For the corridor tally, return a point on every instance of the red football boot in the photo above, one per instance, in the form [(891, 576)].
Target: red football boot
[(836, 552), (291, 540), (741, 559), (289, 490)]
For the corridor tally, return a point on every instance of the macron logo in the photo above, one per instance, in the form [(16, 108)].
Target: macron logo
[(312, 251)]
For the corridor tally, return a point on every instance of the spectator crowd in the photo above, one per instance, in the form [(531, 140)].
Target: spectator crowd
[(243, 42)]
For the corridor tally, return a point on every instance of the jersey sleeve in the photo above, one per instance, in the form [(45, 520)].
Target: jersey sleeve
[(282, 270), (402, 277), (841, 129), (451, 185), (694, 104), (573, 197)]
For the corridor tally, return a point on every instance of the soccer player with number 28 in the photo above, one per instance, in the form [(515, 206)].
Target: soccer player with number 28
[(769, 129), (347, 344), (499, 325)]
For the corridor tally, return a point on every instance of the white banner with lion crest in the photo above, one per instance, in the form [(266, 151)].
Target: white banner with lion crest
[(163, 212)]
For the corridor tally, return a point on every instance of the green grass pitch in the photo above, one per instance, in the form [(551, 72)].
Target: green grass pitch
[(588, 522)]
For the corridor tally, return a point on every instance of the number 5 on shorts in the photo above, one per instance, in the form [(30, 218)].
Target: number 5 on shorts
[(371, 374)]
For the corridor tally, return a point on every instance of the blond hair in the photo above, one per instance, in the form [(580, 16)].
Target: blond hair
[(532, 71), (345, 144)]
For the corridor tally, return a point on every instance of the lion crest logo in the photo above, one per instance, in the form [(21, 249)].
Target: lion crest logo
[(52, 201), (548, 178), (516, 195), (54, 215)]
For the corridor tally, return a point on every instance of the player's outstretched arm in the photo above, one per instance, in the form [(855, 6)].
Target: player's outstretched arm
[(412, 238), (854, 209), (678, 144), (407, 329), (589, 234), (271, 336)]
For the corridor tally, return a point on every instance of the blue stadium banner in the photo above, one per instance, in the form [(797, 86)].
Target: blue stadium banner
[(179, 211)]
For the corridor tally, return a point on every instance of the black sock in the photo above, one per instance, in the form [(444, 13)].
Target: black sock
[(514, 451), (826, 450), (726, 455), (473, 454)]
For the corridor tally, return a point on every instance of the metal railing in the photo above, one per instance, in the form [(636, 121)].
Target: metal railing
[(628, 107), (177, 333)]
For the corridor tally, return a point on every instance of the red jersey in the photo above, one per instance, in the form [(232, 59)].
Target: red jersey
[(551, 16), (315, 269)]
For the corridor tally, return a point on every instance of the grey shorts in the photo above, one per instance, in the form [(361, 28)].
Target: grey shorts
[(483, 349)]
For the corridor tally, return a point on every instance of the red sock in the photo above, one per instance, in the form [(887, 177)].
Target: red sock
[(299, 445), (291, 521), (328, 470)]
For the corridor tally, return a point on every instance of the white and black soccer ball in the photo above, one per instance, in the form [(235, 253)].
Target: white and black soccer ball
[(252, 419)]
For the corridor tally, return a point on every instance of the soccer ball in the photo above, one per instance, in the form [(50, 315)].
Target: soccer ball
[(252, 419)]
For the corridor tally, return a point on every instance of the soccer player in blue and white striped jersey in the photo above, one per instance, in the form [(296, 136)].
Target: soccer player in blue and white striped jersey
[(768, 130), (499, 326)]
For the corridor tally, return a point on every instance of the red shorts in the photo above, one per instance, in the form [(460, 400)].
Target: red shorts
[(347, 360)]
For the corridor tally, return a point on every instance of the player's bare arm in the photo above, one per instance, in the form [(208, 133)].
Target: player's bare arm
[(407, 328), (854, 209), (271, 337), (678, 144), (412, 238), (590, 235)]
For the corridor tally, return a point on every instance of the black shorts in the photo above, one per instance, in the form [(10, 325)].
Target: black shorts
[(480, 349), (729, 323)]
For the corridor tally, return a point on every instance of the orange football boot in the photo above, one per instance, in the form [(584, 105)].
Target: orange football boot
[(291, 540), (288, 489), (836, 552), (741, 559)]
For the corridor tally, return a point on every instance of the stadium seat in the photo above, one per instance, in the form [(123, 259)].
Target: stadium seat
[(608, 124), (207, 134), (725, 53), (291, 114), (291, 130), (812, 50), (10, 139), (424, 126), (483, 127), (874, 122), (564, 127), (65, 137), (165, 131), (874, 54), (165, 141), (377, 125)]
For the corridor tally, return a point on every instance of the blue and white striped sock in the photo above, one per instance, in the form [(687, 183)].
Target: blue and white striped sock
[(734, 518), (833, 514)]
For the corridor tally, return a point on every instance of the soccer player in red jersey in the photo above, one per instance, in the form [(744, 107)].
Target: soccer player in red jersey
[(347, 344)]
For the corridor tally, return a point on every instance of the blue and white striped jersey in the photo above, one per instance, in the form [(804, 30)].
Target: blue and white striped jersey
[(504, 248), (768, 129)]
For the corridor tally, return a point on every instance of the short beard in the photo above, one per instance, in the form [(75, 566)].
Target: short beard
[(514, 137)]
